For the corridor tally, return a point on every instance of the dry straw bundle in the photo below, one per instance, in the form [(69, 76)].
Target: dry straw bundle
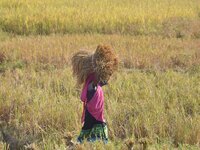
[(103, 63)]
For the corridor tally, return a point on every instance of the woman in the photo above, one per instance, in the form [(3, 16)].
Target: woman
[(94, 71)]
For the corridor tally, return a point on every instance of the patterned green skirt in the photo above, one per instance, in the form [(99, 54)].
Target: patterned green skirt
[(98, 132)]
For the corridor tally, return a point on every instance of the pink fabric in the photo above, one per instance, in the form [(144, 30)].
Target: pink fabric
[(96, 105)]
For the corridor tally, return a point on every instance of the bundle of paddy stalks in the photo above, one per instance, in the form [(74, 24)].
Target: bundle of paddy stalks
[(103, 62)]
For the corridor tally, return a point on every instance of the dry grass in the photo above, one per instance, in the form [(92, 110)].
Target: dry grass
[(2, 57), (152, 106), (154, 101), (100, 16), (155, 52), (181, 28)]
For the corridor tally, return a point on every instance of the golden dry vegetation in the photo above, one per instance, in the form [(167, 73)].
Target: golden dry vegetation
[(152, 102)]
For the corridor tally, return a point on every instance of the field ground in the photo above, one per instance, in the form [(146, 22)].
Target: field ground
[(154, 95), (152, 102)]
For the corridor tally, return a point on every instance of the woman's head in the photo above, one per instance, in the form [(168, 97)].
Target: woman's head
[(103, 63)]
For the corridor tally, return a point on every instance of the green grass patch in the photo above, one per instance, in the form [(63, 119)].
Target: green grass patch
[(8, 65)]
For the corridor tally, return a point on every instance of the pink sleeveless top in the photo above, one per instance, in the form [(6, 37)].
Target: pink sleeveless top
[(96, 105)]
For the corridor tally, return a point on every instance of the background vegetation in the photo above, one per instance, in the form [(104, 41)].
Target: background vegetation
[(101, 16), (152, 102)]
